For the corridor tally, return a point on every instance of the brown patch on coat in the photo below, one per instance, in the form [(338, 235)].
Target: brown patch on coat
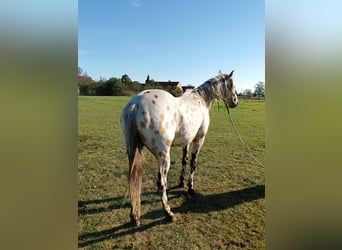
[(178, 134), (152, 124), (168, 143), (199, 136), (153, 102), (163, 129), (142, 124), (164, 163), (166, 128), (155, 96), (181, 119), (162, 153), (153, 141), (154, 150)]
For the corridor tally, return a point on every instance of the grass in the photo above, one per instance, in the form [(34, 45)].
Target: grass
[(227, 212)]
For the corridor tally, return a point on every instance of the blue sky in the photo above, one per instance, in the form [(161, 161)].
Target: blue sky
[(178, 40)]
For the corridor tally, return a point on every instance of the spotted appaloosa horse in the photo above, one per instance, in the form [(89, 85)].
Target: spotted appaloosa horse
[(157, 120)]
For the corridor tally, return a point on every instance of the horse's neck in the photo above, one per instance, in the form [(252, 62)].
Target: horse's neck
[(209, 92)]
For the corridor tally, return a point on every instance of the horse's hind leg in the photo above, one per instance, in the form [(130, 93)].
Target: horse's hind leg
[(193, 163), (184, 162), (164, 165)]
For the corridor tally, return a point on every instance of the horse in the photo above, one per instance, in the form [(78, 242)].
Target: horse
[(157, 120)]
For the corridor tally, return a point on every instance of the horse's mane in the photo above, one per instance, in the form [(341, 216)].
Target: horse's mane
[(212, 89)]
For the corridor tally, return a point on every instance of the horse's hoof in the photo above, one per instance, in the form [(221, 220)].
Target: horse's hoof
[(181, 185), (191, 191), (135, 221), (172, 218)]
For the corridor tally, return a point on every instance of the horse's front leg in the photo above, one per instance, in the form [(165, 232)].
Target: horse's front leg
[(193, 163), (164, 165), (184, 162)]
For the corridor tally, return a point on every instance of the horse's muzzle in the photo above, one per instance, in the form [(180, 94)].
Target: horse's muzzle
[(233, 104)]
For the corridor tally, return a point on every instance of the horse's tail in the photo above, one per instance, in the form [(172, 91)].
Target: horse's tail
[(134, 152)]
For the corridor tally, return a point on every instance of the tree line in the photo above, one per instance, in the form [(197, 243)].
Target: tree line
[(125, 86), (114, 86), (259, 91)]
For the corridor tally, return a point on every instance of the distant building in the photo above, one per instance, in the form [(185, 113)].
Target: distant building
[(171, 84), (187, 88), (147, 79)]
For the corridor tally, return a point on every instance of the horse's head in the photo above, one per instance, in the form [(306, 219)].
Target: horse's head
[(229, 93)]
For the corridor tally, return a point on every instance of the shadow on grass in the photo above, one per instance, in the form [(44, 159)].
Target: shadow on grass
[(117, 203), (109, 204), (115, 232), (197, 203)]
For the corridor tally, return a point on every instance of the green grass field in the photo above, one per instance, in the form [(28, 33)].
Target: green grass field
[(227, 211)]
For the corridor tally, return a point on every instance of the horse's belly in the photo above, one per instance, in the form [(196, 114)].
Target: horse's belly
[(181, 141), (184, 136)]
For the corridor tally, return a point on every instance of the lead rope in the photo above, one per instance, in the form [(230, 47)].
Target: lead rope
[(241, 140)]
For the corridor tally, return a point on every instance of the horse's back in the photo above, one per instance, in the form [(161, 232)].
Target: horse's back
[(156, 99)]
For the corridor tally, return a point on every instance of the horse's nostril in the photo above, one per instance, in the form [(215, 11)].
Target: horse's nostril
[(233, 104)]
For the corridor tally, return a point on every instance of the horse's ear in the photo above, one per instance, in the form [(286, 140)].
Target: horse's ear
[(231, 74), (220, 72)]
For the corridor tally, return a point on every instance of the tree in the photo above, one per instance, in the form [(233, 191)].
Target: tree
[(152, 84), (176, 92), (247, 93), (259, 90), (126, 81), (80, 71), (113, 86), (84, 82)]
